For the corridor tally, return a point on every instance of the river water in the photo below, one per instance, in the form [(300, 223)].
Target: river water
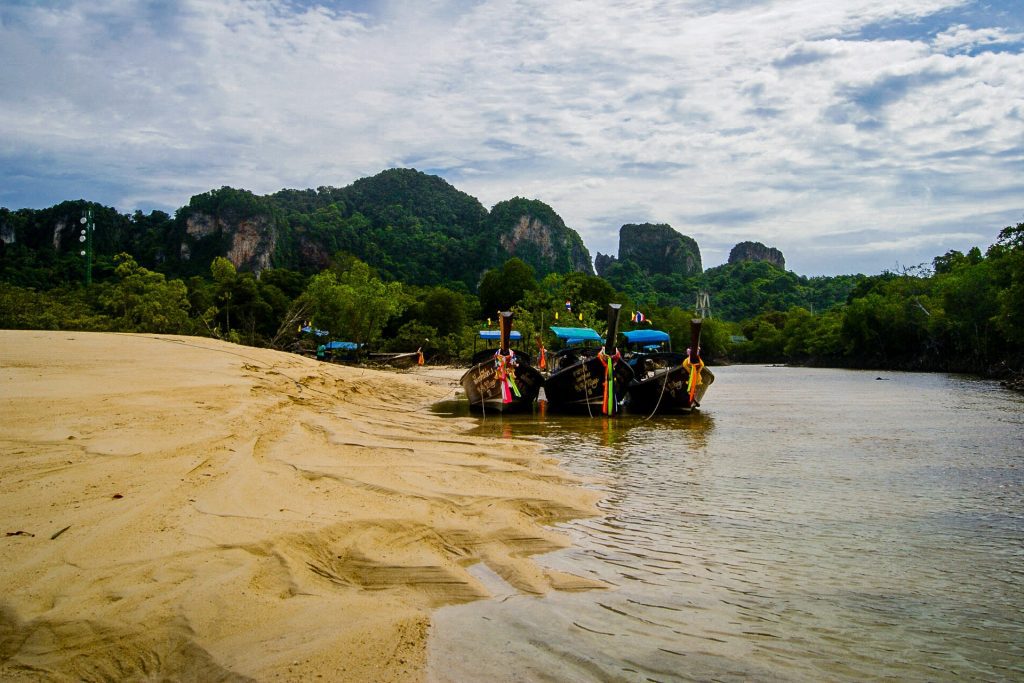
[(806, 525)]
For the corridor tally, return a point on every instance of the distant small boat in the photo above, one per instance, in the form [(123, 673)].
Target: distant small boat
[(502, 379), (338, 350), (665, 382), (583, 379), (395, 360)]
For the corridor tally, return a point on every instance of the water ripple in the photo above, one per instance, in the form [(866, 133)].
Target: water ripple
[(807, 525)]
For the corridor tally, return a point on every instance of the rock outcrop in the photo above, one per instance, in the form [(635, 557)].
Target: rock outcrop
[(249, 243), (602, 262), (657, 249), (755, 251), (7, 234), (530, 230), (252, 244)]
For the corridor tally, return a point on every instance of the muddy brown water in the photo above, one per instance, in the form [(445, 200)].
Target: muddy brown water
[(805, 525)]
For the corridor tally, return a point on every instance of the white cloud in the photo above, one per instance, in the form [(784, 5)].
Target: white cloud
[(962, 37), (906, 244)]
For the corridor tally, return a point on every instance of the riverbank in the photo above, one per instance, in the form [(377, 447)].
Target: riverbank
[(184, 508), (1008, 372), (1016, 382)]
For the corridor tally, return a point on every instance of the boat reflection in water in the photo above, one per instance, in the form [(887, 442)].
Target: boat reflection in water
[(558, 430)]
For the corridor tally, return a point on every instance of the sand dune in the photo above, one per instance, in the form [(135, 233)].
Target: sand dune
[(186, 509)]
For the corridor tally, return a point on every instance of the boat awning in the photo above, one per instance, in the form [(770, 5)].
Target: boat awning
[(345, 346), (645, 336), (574, 335), (496, 334)]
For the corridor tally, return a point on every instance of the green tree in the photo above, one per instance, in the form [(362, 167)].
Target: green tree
[(1007, 258), (629, 278), (143, 301), (444, 310), (246, 310), (798, 332), (502, 288), (415, 335), (354, 306), (62, 308), (225, 277), (826, 340), (291, 283), (766, 338), (963, 322)]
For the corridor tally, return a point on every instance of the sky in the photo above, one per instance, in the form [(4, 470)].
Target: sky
[(854, 135)]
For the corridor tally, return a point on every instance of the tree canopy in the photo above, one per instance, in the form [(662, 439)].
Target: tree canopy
[(400, 265), (354, 305)]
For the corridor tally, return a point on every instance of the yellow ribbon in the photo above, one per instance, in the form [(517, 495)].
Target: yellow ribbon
[(694, 370)]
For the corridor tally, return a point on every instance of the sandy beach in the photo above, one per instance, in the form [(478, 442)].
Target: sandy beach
[(179, 508)]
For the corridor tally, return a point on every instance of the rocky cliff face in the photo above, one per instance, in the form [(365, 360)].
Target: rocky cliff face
[(66, 233), (248, 243), (755, 251), (253, 244), (530, 230), (529, 233), (59, 228), (657, 249), (602, 262)]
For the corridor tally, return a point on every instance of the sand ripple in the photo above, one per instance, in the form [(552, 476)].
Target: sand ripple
[(195, 510)]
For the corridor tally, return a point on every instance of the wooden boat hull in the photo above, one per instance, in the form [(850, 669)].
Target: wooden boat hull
[(579, 388), (482, 384), (662, 385)]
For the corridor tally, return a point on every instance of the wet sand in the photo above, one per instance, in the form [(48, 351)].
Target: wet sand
[(183, 508)]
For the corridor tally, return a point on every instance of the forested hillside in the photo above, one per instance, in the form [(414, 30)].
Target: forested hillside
[(737, 290), (403, 260), (965, 313), (409, 226)]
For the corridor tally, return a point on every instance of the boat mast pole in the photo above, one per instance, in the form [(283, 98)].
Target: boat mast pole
[(540, 332), (505, 324), (695, 325), (610, 344)]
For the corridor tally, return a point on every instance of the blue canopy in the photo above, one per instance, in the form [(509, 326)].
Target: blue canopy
[(495, 334), (574, 335), (645, 336), (346, 346)]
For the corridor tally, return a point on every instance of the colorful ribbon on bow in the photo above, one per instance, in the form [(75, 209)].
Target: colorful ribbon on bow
[(694, 370), (608, 404), (507, 376)]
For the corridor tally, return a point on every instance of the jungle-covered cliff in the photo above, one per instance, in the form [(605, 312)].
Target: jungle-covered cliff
[(654, 249), (409, 226), (756, 251), (530, 230)]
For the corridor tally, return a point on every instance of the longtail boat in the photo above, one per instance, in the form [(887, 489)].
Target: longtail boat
[(665, 382), (592, 379), (502, 379)]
